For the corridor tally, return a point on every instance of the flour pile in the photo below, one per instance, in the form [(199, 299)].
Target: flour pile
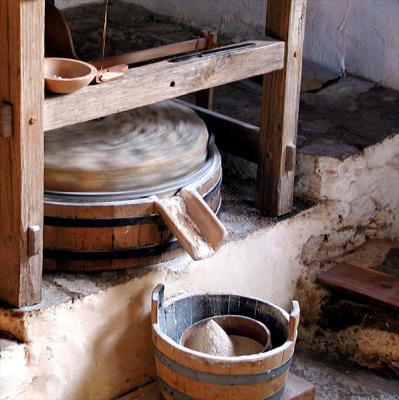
[(210, 338)]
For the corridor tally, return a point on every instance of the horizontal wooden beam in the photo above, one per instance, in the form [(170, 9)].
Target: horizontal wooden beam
[(167, 50), (233, 136), (160, 81)]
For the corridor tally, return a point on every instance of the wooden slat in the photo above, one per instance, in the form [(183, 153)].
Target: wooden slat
[(160, 81), (296, 388), (280, 101), (21, 154), (372, 286)]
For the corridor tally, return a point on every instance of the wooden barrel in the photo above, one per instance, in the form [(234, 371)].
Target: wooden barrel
[(93, 232), (190, 375)]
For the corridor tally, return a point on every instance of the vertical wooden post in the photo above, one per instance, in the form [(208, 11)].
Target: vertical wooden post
[(204, 98), (280, 102), (21, 152)]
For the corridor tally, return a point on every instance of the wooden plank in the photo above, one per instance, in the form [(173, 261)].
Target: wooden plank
[(280, 102), (295, 389), (233, 136), (5, 119), (167, 50), (160, 81), (21, 154), (367, 284)]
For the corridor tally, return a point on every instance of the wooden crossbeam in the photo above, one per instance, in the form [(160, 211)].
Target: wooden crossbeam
[(160, 81)]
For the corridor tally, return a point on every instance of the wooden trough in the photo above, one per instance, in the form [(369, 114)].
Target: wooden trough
[(187, 374)]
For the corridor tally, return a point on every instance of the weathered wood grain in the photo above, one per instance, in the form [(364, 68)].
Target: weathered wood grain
[(372, 286), (280, 102), (160, 81), (21, 154)]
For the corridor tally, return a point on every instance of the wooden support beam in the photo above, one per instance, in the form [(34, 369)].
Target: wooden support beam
[(204, 98), (21, 153), (5, 119), (160, 81), (280, 102)]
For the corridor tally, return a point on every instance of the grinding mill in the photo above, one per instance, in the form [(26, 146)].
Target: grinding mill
[(131, 189)]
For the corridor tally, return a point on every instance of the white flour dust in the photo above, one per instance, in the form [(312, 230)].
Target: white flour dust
[(210, 338)]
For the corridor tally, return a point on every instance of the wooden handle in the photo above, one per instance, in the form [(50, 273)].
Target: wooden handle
[(294, 321), (157, 302), (192, 222)]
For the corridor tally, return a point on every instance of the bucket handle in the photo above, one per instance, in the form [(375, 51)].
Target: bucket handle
[(157, 302), (294, 321)]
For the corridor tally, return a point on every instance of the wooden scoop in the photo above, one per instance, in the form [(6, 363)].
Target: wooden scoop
[(111, 74), (193, 223)]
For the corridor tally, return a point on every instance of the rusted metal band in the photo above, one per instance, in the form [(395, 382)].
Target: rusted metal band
[(231, 380), (176, 395)]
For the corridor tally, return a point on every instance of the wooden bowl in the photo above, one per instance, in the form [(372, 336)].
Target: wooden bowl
[(234, 325), (65, 75)]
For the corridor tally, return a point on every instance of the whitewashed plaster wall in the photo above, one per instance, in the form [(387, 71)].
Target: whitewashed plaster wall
[(360, 37)]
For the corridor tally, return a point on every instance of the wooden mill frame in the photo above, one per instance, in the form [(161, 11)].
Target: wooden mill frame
[(25, 116)]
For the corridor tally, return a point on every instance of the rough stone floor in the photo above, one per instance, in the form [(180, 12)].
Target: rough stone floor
[(337, 380), (333, 115)]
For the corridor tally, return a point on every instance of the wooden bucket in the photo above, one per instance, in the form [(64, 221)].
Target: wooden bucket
[(103, 232), (189, 375)]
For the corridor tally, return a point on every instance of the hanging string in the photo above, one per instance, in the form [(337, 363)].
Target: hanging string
[(104, 38)]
